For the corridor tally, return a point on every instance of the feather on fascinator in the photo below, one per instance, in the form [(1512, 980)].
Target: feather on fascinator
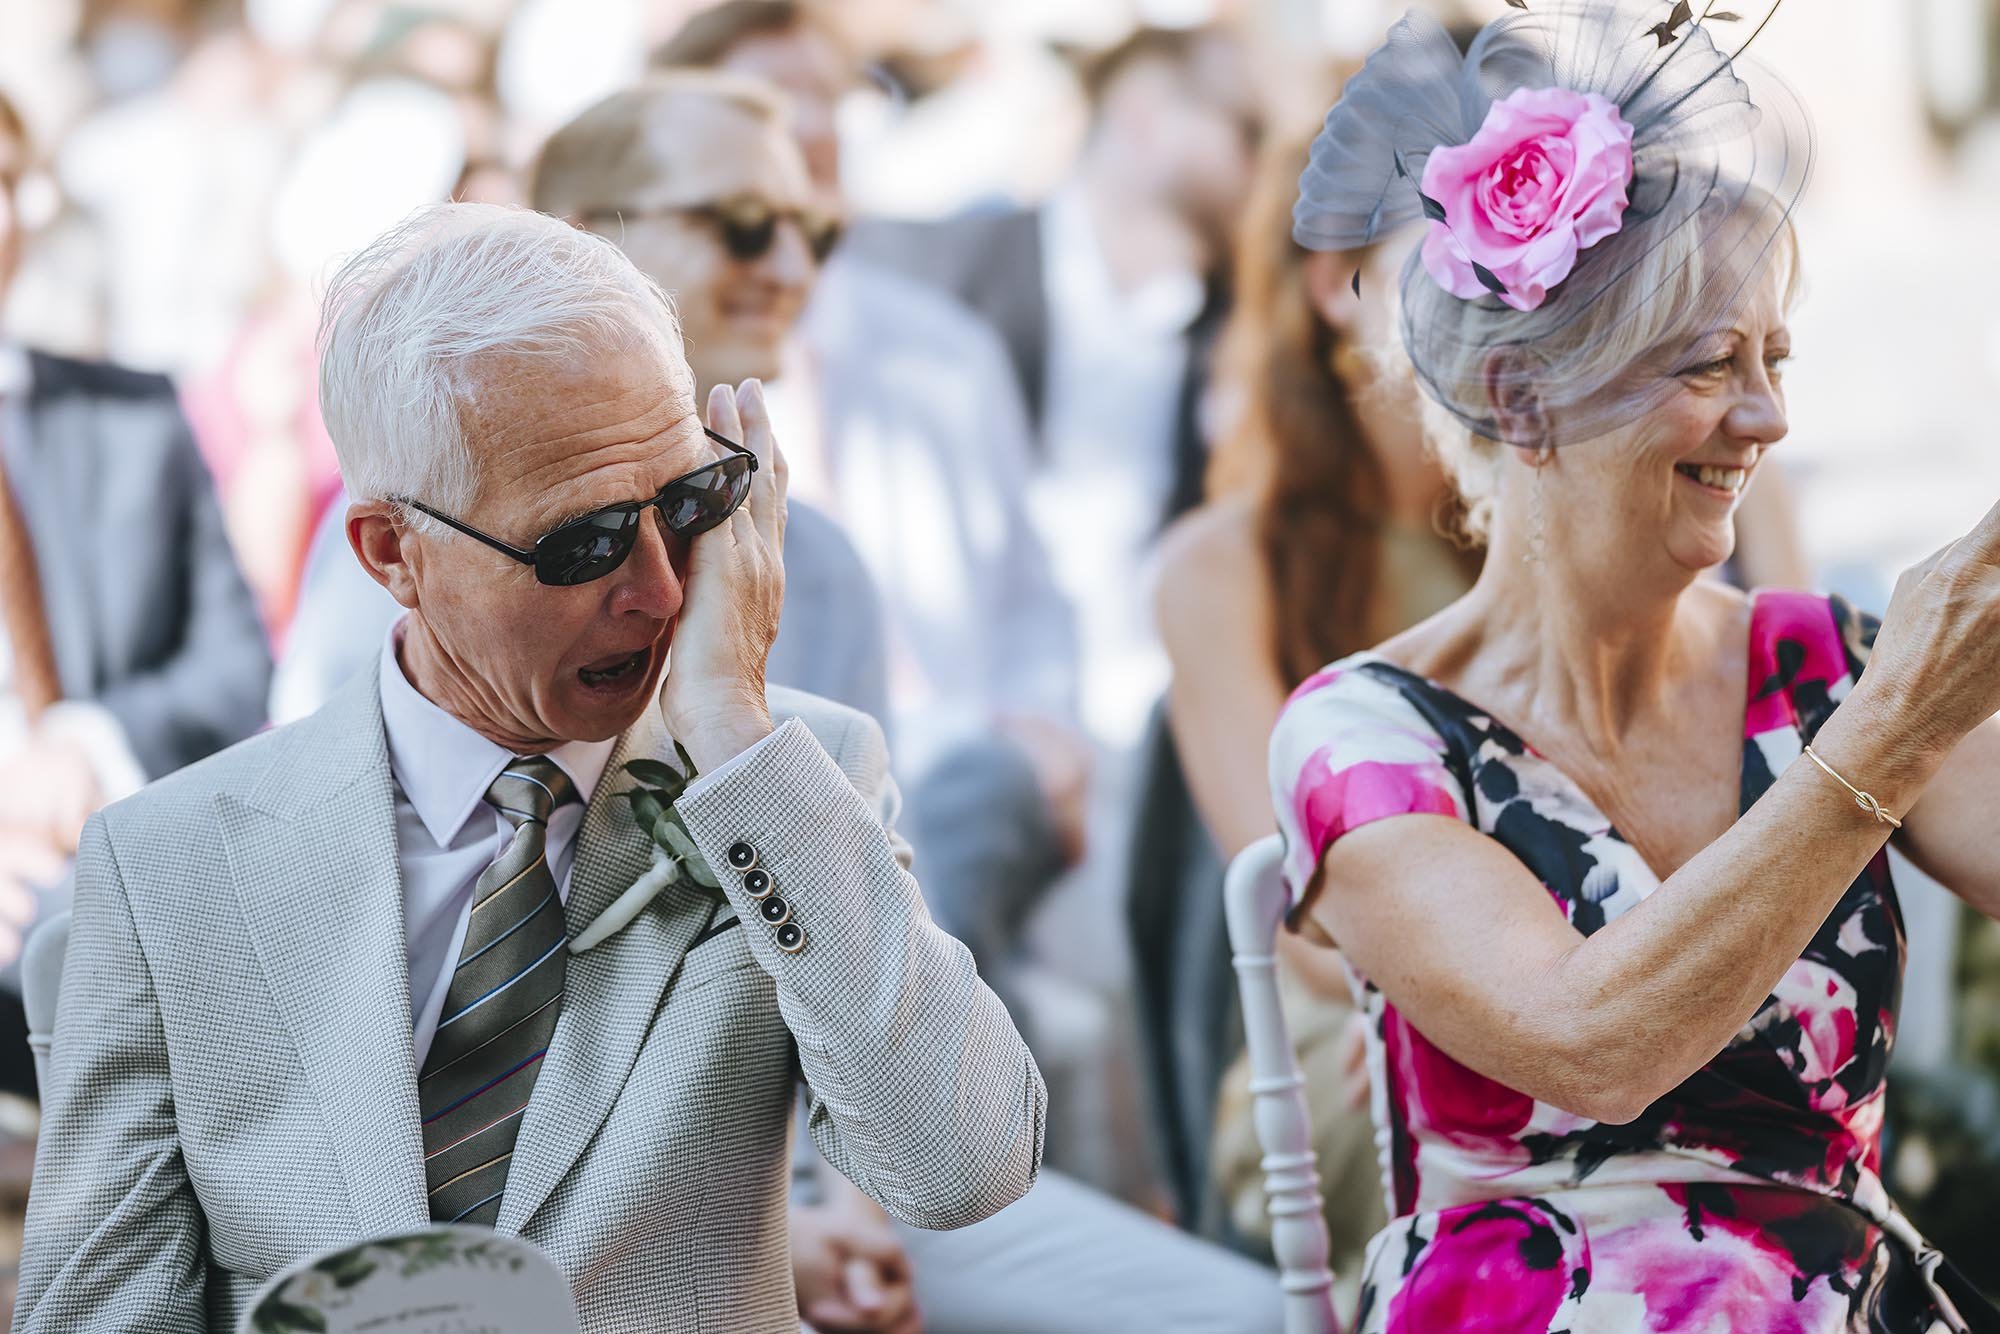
[(1592, 176)]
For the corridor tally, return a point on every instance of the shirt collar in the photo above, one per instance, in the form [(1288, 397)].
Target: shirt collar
[(443, 766)]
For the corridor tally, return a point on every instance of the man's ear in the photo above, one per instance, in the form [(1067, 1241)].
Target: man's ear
[(1518, 415), (383, 543)]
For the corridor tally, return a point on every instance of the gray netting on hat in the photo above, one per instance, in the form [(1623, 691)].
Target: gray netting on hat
[(1601, 184)]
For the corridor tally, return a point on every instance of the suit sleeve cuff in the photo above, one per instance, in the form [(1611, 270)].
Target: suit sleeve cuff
[(748, 755), (787, 836)]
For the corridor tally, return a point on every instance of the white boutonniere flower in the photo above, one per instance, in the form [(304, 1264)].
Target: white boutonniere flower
[(676, 860)]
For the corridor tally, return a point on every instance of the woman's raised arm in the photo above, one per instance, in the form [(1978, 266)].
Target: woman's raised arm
[(1468, 945)]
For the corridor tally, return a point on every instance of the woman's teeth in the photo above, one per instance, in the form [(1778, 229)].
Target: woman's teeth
[(1722, 479)]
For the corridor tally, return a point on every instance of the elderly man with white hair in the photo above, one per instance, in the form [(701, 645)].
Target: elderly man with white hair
[(388, 965)]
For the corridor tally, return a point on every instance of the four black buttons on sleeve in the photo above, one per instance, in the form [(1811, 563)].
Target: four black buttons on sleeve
[(759, 884)]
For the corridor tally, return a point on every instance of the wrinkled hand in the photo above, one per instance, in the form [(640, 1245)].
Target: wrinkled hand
[(1937, 656), (1062, 762), (30, 861), (713, 697), (852, 1276), (50, 784)]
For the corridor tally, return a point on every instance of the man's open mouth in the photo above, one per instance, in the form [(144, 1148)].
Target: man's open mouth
[(615, 671)]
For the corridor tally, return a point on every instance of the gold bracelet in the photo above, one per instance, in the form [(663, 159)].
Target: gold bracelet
[(1861, 799)]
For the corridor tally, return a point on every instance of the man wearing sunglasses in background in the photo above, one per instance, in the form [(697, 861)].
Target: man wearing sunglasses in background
[(364, 972), (906, 423)]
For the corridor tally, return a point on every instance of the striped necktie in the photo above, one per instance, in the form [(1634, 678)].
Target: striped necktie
[(500, 1008)]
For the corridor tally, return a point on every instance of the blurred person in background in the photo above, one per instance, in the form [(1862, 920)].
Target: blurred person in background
[(1322, 536), (695, 176), (1107, 295), (132, 644), (906, 424)]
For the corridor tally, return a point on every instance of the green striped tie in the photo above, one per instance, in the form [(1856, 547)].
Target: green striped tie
[(500, 1008)]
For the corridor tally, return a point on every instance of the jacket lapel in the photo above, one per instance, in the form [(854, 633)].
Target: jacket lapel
[(319, 879), (612, 991)]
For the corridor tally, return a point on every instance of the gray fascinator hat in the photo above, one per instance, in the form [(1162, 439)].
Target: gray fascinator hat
[(1602, 185)]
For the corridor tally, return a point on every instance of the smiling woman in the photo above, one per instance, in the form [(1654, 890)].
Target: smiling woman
[(1622, 343), (1601, 842)]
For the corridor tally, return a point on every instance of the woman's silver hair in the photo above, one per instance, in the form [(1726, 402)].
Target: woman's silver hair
[(413, 327)]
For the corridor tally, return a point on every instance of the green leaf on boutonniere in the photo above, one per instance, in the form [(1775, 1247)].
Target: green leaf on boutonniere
[(655, 774), (646, 808), (660, 785), (675, 839)]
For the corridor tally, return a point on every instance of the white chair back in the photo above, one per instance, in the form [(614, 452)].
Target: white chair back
[(41, 983), (1255, 899)]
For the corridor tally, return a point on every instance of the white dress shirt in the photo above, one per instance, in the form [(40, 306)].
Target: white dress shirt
[(900, 414), (446, 834), (1115, 364)]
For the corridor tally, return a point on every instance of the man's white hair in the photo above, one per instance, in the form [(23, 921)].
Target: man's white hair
[(408, 322)]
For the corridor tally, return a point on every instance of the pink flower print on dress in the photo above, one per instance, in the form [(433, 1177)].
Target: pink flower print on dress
[(1495, 1267), (1821, 1003), (1330, 802), (1449, 1100)]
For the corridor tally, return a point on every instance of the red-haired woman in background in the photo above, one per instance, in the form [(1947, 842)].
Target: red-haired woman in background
[(1323, 534)]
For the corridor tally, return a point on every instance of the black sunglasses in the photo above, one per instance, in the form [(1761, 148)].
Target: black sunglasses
[(596, 544), (748, 224)]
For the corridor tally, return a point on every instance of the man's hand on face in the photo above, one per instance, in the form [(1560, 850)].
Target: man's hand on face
[(852, 1276), (713, 696)]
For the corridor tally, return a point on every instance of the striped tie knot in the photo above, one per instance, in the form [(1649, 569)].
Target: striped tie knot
[(531, 788)]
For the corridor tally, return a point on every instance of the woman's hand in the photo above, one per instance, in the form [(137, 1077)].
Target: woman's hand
[(1935, 671), (713, 697)]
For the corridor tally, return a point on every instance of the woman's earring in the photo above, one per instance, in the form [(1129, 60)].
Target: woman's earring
[(1538, 515)]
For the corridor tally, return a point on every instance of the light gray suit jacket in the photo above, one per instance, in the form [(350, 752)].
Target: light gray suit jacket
[(233, 1084)]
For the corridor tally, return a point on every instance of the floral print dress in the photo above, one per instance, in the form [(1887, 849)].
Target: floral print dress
[(1746, 1200)]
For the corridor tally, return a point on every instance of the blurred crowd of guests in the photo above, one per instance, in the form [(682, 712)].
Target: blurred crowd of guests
[(1083, 486)]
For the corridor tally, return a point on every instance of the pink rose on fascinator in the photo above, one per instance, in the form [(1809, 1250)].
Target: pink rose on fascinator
[(1542, 181)]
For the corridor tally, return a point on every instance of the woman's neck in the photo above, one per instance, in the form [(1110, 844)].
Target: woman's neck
[(1578, 648)]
